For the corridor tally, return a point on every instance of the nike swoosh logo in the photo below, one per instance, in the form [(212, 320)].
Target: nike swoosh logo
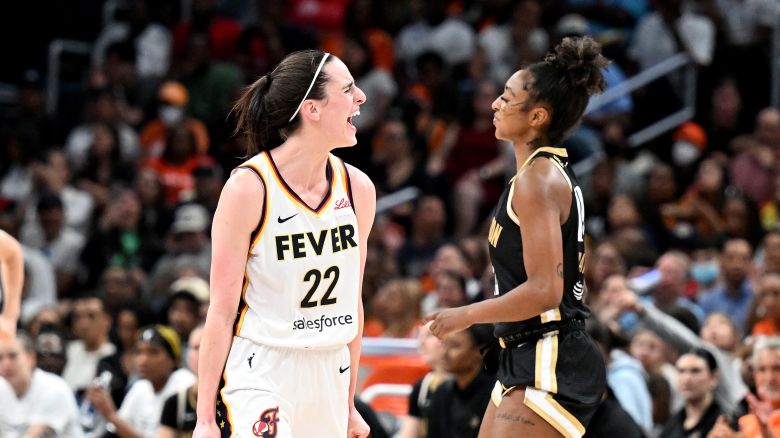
[(281, 221), (342, 370)]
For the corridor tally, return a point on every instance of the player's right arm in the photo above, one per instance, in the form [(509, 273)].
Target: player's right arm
[(238, 212)]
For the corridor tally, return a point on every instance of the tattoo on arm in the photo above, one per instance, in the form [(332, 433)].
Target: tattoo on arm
[(515, 419), (559, 270)]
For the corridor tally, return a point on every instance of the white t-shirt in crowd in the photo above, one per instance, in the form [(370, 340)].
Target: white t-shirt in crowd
[(142, 407), (48, 401), (81, 366)]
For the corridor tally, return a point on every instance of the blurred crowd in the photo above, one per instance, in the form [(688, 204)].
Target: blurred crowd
[(112, 195)]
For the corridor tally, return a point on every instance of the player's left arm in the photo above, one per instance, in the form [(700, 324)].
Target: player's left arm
[(12, 272), (364, 198), (542, 193)]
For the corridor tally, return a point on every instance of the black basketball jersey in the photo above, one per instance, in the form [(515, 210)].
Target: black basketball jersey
[(506, 250)]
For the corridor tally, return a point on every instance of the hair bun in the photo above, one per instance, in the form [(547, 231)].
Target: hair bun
[(581, 59)]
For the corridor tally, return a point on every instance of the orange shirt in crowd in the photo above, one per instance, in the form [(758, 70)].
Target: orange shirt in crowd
[(155, 134), (751, 428), (177, 179), (765, 327)]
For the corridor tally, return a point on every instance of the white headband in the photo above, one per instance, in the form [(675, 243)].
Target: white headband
[(314, 79)]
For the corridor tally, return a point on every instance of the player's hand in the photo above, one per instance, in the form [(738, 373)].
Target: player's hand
[(357, 427), (448, 321), (206, 430)]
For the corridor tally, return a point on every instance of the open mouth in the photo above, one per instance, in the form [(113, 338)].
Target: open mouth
[(349, 119)]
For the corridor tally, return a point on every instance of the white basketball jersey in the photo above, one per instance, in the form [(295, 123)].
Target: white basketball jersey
[(302, 276)]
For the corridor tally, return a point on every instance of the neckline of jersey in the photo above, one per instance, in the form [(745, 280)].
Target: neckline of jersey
[(329, 174)]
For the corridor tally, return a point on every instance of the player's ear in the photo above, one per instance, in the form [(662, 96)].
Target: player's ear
[(311, 109), (539, 116)]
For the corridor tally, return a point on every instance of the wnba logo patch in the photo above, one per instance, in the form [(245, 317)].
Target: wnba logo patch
[(265, 426)]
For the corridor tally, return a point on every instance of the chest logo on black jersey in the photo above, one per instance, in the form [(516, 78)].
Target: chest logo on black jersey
[(495, 232), (281, 221)]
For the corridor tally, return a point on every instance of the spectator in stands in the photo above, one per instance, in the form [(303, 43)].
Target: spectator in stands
[(188, 246), (656, 356), (770, 210), (29, 130), (771, 251), (763, 420), (719, 330), (209, 181), (46, 317), (674, 267), (604, 261), (740, 217), (626, 408), (157, 356), (697, 377), (427, 235), (212, 84), (623, 214), (473, 161), (178, 412), (449, 291), (723, 115), (430, 349), (735, 293), (452, 257), (364, 20), (396, 306), (53, 175), (520, 40), (120, 287), (768, 298), (60, 244), (172, 100), (122, 364), (120, 238), (397, 164), (222, 32), (177, 163), (34, 403), (670, 29), (717, 338), (104, 167), (151, 41), (702, 202), (271, 36), (90, 324), (156, 215), (50, 350), (101, 107), (120, 75), (753, 169), (448, 36), (458, 405), (187, 304)]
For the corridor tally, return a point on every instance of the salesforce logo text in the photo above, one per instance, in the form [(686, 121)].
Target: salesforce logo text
[(322, 322)]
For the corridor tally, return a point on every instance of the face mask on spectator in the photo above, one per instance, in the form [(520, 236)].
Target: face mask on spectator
[(684, 153), (171, 115), (705, 272)]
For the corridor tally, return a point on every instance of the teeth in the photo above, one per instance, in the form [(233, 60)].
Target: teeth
[(356, 113)]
